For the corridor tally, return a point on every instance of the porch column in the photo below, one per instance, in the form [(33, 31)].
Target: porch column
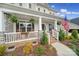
[(2, 27), (55, 27), (40, 24), (14, 27)]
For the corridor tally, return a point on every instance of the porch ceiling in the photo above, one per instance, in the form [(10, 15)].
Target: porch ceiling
[(44, 20), (27, 18)]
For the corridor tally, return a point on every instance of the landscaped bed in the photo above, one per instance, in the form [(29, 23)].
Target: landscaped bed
[(37, 50), (72, 41)]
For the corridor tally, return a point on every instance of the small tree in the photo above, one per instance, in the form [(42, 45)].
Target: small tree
[(75, 34), (61, 35), (44, 39), (13, 19)]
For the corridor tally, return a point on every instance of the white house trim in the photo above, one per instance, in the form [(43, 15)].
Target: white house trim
[(2, 22), (40, 24), (13, 11)]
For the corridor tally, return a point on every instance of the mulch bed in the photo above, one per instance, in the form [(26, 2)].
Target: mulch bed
[(19, 51), (66, 42)]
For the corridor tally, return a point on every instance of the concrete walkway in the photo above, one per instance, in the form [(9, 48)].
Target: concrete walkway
[(63, 50)]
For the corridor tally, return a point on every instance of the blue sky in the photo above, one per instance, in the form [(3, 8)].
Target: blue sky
[(67, 7)]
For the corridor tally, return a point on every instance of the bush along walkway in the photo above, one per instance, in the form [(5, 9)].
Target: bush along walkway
[(63, 50)]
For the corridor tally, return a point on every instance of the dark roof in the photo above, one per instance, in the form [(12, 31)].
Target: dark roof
[(75, 20)]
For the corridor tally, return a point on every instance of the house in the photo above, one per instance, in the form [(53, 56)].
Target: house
[(44, 17)]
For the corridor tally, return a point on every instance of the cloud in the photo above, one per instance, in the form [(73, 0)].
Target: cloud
[(62, 15), (53, 6), (63, 10), (57, 14)]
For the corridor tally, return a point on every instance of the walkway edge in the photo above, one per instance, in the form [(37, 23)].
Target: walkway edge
[(63, 50)]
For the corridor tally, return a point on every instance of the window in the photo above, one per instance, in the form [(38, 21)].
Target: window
[(17, 27), (30, 27), (50, 13), (51, 26), (38, 9), (20, 4), (22, 27), (44, 10), (30, 6), (43, 27)]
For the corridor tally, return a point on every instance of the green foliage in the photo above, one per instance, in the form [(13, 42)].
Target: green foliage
[(2, 50), (75, 34), (32, 21), (40, 50), (44, 39), (61, 35), (67, 37), (27, 48), (75, 48), (12, 18), (74, 41)]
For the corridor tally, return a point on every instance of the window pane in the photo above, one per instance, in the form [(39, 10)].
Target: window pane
[(44, 10), (20, 4), (29, 5), (17, 27), (30, 27), (43, 27), (22, 28), (38, 9)]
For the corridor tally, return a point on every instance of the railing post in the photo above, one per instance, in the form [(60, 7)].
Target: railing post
[(48, 34)]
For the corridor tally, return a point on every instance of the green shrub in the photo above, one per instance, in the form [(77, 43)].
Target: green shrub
[(2, 50), (27, 48), (75, 34), (44, 39), (40, 50), (75, 49), (67, 37), (61, 35)]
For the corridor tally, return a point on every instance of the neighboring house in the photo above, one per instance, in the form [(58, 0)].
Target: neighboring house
[(75, 20), (44, 17), (75, 23), (73, 26)]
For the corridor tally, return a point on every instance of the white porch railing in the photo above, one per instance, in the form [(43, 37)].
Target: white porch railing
[(17, 36), (55, 34)]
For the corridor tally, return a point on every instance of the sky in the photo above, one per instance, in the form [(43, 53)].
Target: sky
[(71, 10)]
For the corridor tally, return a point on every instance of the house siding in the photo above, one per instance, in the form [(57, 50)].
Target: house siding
[(8, 26)]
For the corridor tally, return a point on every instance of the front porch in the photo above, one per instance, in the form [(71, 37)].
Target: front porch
[(24, 30)]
